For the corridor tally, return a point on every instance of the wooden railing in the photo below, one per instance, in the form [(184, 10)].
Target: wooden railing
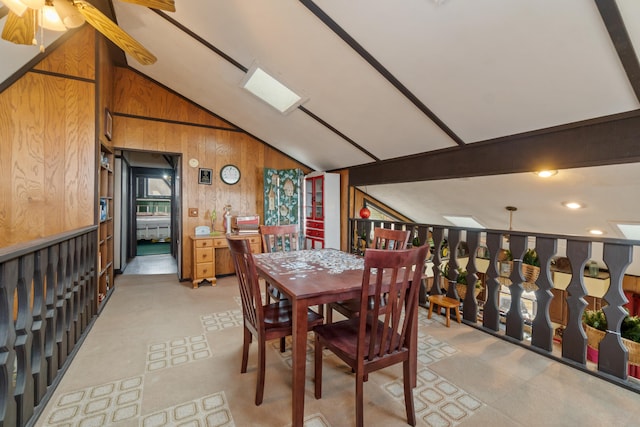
[(537, 334), (47, 303)]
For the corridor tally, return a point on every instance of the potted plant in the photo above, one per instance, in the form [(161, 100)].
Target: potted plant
[(595, 325), (461, 282), (530, 267)]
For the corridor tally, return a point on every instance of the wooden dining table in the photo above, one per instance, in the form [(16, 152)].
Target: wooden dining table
[(309, 278)]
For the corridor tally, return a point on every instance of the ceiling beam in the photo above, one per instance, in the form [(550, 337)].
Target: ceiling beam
[(340, 32), (244, 69), (620, 37), (604, 141)]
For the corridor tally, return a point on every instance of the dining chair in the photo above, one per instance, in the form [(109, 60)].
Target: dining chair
[(383, 238), (278, 238), (384, 333), (265, 322)]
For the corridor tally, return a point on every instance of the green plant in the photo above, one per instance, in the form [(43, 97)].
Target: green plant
[(530, 257), (462, 276), (629, 329)]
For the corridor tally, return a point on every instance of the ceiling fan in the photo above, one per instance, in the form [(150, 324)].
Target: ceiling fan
[(25, 16)]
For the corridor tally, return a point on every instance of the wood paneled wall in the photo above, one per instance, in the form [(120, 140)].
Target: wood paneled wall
[(47, 145), (144, 118)]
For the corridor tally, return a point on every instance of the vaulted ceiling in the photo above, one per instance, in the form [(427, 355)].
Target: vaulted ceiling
[(439, 106)]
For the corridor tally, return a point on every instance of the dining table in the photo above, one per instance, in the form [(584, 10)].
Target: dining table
[(313, 277)]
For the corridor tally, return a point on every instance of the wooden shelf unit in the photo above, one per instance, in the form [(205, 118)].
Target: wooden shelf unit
[(105, 229)]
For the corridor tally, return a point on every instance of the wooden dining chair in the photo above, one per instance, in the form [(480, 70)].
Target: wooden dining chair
[(278, 238), (265, 322), (384, 333), (383, 238)]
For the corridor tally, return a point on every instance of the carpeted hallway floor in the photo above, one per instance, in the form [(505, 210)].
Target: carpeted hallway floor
[(163, 354)]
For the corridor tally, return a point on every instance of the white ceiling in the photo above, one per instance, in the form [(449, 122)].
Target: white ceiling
[(485, 69)]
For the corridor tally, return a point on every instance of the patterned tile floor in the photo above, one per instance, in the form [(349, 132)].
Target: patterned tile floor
[(178, 364)]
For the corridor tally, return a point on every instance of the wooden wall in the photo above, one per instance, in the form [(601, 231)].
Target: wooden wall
[(148, 117), (47, 145)]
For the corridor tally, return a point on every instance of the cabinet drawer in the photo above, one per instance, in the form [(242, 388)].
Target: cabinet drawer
[(315, 233), (204, 270), (203, 243), (220, 243), (315, 224), (204, 255)]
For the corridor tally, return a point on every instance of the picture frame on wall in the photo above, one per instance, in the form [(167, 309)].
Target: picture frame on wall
[(108, 124), (205, 176)]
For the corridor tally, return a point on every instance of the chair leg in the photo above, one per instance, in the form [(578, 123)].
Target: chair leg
[(261, 367), (282, 344), (359, 399), (245, 350), (408, 393), (329, 316), (318, 369)]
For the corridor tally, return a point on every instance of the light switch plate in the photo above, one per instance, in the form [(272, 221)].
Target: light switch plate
[(193, 211)]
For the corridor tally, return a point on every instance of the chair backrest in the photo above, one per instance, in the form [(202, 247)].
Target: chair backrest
[(390, 284), (384, 238), (280, 238), (247, 281)]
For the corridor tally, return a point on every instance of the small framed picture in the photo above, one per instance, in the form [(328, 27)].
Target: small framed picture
[(204, 176), (108, 124)]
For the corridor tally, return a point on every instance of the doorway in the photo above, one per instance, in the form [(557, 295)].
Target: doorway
[(151, 226)]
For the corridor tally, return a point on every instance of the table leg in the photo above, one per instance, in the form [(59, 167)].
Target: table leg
[(299, 351)]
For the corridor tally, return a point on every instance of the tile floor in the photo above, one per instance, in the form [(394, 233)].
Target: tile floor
[(164, 354)]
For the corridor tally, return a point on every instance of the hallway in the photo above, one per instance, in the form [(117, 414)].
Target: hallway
[(151, 264), (164, 354)]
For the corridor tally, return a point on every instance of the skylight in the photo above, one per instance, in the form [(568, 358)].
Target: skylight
[(270, 90), (463, 221), (630, 231)]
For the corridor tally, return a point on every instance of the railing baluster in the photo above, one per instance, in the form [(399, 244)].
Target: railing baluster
[(39, 361), (470, 311), (438, 237), (542, 330), (50, 346), (612, 355), (24, 381), (491, 314), (454, 268), (61, 304), (8, 283), (574, 339), (515, 321), (69, 297)]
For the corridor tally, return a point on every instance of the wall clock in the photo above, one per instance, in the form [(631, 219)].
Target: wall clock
[(230, 174)]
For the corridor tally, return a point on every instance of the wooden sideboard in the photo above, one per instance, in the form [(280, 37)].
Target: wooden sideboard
[(210, 256)]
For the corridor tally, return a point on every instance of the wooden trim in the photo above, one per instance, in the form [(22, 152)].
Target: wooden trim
[(593, 143), (340, 32), (245, 69), (621, 41)]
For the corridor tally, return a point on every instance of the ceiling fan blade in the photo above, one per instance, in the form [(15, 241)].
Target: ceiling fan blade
[(20, 29), (168, 5), (114, 33)]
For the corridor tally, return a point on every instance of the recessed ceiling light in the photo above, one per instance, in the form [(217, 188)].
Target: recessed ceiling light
[(546, 173), (573, 205), (463, 221), (270, 90), (596, 231)]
